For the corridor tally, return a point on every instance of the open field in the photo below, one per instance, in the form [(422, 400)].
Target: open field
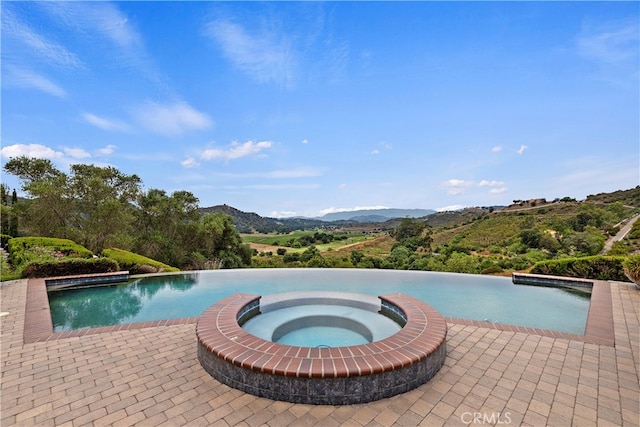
[(271, 242)]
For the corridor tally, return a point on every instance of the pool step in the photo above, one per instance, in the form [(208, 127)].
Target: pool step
[(83, 280), (553, 281)]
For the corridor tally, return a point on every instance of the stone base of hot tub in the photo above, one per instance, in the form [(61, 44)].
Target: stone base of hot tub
[(323, 391), (324, 376)]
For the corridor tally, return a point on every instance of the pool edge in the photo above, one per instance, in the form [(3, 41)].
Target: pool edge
[(599, 328)]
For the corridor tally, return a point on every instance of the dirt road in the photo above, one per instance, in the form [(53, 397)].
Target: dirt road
[(624, 230)]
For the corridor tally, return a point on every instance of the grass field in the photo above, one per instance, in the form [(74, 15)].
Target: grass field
[(271, 242)]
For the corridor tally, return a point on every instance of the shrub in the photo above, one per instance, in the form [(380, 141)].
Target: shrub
[(594, 267), (23, 250), (632, 268), (136, 264), (69, 267), (492, 269)]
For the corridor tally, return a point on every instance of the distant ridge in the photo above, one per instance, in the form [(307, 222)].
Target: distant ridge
[(249, 222), (376, 215), (386, 219)]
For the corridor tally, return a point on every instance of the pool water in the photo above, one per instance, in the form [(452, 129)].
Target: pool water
[(321, 325), (322, 336), (472, 297)]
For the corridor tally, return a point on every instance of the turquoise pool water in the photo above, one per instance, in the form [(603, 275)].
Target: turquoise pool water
[(321, 325), (472, 297)]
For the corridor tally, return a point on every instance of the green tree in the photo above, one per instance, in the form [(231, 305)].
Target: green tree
[(4, 194), (217, 240), (590, 214), (531, 237), (104, 211), (409, 227), (8, 213), (587, 242), (356, 257), (164, 226), (48, 212), (92, 205), (462, 263), (400, 257)]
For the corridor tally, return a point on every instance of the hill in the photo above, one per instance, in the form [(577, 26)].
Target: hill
[(250, 222), (376, 215), (361, 220), (375, 220)]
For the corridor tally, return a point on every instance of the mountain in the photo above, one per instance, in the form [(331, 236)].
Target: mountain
[(386, 219), (249, 222), (376, 215)]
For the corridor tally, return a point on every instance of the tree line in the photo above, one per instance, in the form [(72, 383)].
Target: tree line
[(101, 207)]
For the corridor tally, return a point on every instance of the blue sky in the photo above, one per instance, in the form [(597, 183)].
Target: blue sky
[(305, 108)]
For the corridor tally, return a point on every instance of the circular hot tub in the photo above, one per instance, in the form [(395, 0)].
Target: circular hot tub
[(399, 345), (321, 319)]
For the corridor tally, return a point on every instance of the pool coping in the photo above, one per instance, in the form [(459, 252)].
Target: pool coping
[(38, 326)]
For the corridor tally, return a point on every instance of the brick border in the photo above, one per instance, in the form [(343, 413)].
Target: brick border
[(599, 328), (327, 376)]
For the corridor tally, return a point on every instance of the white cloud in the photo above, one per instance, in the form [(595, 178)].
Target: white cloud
[(382, 145), (305, 141), (342, 186), (282, 214), (30, 150), (357, 208), (521, 149), (450, 208), (276, 187), (106, 151), (103, 123), (264, 56), (76, 153), (302, 172), (101, 17), (64, 157), (496, 149), (97, 21), (485, 183), (49, 51), (236, 150), (171, 119), (610, 43), (456, 187), (27, 79), (190, 163)]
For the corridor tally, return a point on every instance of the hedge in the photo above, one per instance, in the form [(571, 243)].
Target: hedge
[(19, 248), (136, 264), (593, 267), (632, 268), (70, 267)]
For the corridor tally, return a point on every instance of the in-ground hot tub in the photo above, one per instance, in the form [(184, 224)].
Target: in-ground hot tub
[(383, 366)]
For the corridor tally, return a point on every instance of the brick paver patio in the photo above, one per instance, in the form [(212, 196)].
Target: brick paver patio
[(150, 376)]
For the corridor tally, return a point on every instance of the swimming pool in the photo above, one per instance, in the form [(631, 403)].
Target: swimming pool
[(173, 296)]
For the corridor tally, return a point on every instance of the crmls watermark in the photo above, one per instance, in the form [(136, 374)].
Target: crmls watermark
[(492, 418)]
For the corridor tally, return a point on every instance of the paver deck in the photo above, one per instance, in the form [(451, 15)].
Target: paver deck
[(150, 375)]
